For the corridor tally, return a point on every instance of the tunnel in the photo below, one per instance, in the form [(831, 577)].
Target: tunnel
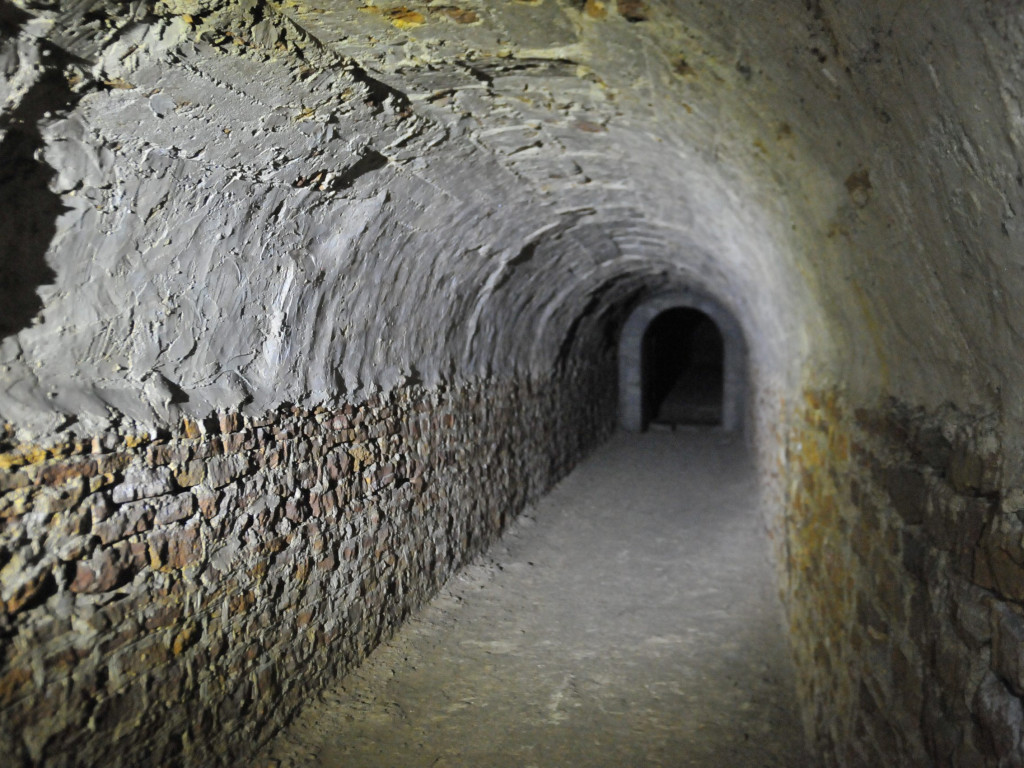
[(682, 362), (307, 306), (684, 357)]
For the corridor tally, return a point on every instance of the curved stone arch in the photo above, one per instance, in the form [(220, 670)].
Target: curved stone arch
[(631, 363)]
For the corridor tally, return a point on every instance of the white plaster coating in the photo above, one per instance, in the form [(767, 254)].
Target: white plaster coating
[(220, 249), (337, 201)]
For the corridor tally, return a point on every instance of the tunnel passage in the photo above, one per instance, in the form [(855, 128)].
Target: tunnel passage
[(570, 634), (683, 355), (681, 361), (322, 304)]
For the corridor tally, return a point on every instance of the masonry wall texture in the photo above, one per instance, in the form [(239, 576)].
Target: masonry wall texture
[(910, 548), (275, 212), (174, 598)]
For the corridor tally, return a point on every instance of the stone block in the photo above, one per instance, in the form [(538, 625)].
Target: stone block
[(971, 472), (99, 507), (13, 479), (337, 464), (233, 442), (206, 500), (14, 511), (184, 639), (932, 448), (24, 586), (163, 615), (999, 557), (191, 473), (142, 482), (1006, 573), (1008, 645), (113, 463), (914, 553), (230, 422), (207, 447), (972, 611), (126, 520), (73, 522), (221, 470), (908, 492), (106, 570), (162, 454), (51, 500), (175, 508), (72, 547), (59, 472), (1000, 718), (174, 547)]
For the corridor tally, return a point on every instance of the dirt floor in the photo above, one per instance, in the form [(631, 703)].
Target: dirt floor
[(628, 619), (695, 398)]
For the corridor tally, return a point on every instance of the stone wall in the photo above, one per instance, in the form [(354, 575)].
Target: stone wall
[(172, 598), (903, 560)]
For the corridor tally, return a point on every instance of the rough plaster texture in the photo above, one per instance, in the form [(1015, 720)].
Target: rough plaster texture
[(211, 205), (264, 206)]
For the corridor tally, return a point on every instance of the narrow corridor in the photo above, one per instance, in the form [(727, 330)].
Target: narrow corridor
[(628, 619)]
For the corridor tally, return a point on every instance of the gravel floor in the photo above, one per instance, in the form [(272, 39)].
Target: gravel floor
[(628, 619)]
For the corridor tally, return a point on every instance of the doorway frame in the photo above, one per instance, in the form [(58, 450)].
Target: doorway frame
[(633, 410)]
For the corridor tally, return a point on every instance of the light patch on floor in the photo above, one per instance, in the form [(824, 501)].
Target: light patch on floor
[(628, 619)]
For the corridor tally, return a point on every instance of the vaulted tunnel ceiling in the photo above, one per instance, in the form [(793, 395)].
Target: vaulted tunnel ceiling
[(291, 202)]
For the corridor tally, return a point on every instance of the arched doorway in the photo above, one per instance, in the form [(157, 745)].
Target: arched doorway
[(684, 357), (682, 360)]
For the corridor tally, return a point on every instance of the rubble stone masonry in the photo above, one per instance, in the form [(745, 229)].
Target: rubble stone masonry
[(172, 598), (903, 560)]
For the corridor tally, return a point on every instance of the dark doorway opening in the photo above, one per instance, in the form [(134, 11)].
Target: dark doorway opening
[(683, 359)]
